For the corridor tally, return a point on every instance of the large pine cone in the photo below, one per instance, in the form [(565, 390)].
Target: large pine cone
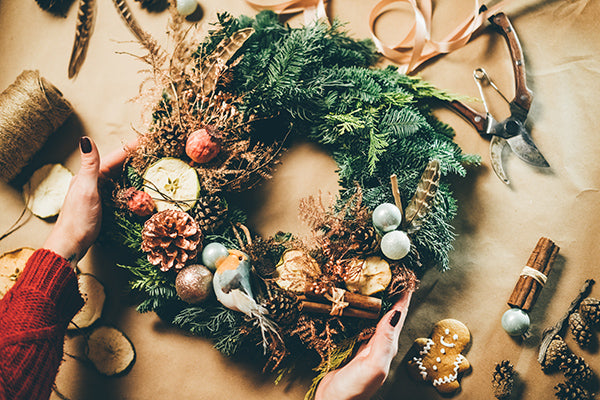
[(364, 240), (590, 310), (557, 351), (282, 306), (210, 213), (571, 391), (577, 370), (503, 380), (580, 329), (171, 238)]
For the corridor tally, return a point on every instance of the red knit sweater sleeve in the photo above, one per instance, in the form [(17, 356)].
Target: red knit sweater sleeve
[(34, 315)]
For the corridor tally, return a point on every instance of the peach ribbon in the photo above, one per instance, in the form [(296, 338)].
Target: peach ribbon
[(418, 46), (312, 9)]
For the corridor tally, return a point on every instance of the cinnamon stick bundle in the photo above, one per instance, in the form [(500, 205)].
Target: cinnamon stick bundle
[(527, 289), (320, 308), (359, 306), (355, 300)]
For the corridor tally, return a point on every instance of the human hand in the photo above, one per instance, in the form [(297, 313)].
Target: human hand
[(366, 372), (78, 223)]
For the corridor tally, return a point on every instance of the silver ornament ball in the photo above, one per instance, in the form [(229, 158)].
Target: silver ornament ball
[(212, 253), (186, 7), (387, 217), (395, 245), (515, 322)]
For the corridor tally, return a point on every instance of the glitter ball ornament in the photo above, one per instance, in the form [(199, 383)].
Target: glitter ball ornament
[(212, 253), (140, 203), (194, 283), (395, 245), (387, 217), (515, 322), (186, 7)]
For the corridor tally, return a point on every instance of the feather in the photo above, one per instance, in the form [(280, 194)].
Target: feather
[(215, 63), (420, 205), (83, 31), (142, 36)]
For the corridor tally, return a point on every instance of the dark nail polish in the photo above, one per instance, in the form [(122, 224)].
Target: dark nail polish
[(395, 318), (85, 144)]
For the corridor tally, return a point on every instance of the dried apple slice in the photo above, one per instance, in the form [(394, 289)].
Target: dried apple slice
[(172, 184), (110, 351), (93, 295), (46, 190), (374, 276), (11, 265)]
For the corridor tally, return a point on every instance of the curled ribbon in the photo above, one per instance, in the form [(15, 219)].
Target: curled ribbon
[(538, 276), (418, 47), (337, 301), (312, 9)]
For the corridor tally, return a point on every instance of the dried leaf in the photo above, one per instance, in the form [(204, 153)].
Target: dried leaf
[(83, 31), (215, 63), (11, 265), (420, 205)]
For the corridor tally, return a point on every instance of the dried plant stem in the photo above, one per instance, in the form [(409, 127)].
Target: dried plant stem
[(549, 333)]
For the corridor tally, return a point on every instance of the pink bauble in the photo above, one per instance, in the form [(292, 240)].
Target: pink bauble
[(201, 146)]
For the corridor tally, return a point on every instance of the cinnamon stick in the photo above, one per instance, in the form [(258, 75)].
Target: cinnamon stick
[(519, 286), (319, 308), (355, 300), (534, 294)]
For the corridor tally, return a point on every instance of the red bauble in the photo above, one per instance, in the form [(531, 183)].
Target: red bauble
[(201, 146)]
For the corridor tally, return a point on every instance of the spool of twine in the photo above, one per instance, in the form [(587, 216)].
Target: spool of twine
[(30, 110)]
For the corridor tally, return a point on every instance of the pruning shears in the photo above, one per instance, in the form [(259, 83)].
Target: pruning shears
[(512, 130)]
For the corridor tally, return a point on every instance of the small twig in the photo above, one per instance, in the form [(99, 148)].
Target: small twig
[(246, 232), (396, 194), (550, 333)]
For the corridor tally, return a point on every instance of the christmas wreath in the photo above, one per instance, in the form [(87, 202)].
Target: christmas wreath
[(226, 107)]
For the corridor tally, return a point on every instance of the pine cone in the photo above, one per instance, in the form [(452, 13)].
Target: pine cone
[(210, 213), (169, 140), (590, 310), (576, 370), (364, 240), (571, 391), (171, 238), (580, 329), (503, 380), (264, 258), (283, 307), (154, 5), (557, 351)]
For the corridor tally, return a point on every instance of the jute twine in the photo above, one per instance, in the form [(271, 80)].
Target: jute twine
[(30, 110)]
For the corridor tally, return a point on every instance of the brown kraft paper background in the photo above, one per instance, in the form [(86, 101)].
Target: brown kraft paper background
[(497, 225)]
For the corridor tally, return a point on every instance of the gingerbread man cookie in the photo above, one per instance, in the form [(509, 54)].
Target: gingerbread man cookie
[(439, 358)]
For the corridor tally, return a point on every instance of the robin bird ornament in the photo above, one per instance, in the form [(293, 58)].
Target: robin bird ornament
[(232, 287)]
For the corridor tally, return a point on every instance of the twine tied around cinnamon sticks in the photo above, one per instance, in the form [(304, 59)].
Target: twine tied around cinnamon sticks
[(340, 302), (533, 276)]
